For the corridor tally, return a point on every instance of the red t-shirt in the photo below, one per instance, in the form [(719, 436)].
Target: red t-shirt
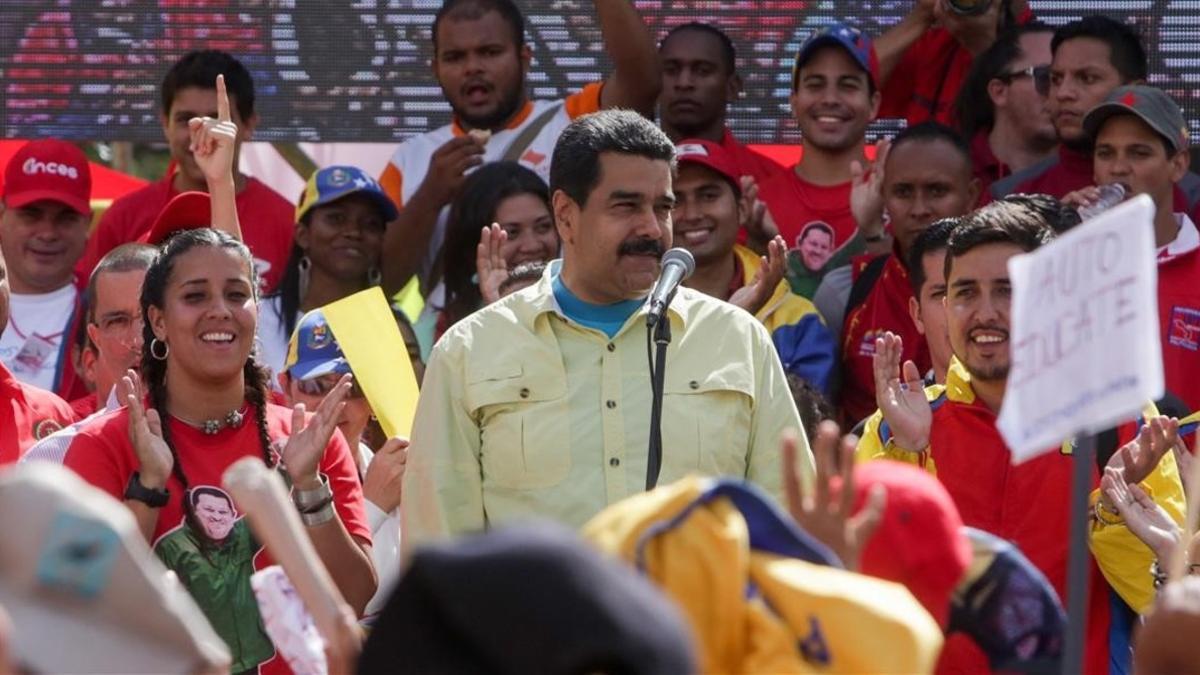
[(85, 405), (217, 574), (925, 83), (750, 163), (884, 309), (267, 221), (988, 168), (795, 204), (27, 415), (1179, 313)]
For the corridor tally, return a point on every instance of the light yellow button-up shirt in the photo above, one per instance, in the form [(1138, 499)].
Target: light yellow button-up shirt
[(526, 414)]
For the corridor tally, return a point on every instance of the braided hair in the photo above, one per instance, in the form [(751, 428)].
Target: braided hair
[(154, 371)]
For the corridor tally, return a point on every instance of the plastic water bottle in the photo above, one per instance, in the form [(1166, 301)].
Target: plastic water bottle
[(1110, 195)]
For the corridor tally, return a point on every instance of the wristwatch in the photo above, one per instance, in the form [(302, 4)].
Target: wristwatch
[(155, 499)]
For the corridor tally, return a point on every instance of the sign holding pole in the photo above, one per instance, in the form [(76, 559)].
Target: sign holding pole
[(1085, 356)]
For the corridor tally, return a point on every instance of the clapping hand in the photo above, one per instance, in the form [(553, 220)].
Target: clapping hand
[(760, 226), (213, 141), (490, 266), (306, 446), (754, 295), (903, 402), (155, 460), (1149, 521), (826, 514), (866, 192)]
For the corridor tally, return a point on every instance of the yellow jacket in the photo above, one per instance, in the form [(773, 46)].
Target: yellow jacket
[(733, 563)]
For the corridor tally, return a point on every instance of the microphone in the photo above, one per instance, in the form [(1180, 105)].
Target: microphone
[(677, 265)]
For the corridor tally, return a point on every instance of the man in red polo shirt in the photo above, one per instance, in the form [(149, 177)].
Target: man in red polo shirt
[(189, 91), (1091, 58), (27, 414), (700, 80), (924, 59), (1141, 141), (833, 99), (999, 108), (927, 177)]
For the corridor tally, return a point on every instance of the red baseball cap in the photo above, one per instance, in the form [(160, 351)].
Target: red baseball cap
[(711, 155), (920, 541), (48, 169), (185, 211)]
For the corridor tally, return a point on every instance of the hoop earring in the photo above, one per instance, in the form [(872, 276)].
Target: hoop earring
[(304, 268), (166, 349), (374, 277)]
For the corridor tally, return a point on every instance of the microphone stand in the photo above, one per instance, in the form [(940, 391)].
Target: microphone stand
[(660, 332)]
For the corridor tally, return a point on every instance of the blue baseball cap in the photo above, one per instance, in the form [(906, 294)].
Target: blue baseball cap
[(854, 41), (334, 182), (313, 351)]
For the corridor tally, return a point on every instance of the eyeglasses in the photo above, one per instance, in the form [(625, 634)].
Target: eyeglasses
[(1039, 74), (120, 324), (321, 386)]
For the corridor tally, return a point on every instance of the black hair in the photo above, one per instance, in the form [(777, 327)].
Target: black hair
[(973, 109), (1126, 52), (1057, 215), (929, 132), (199, 69), (931, 240), (525, 272), (812, 405), (470, 10), (1000, 222), (154, 371), (871, 84), (288, 290), (474, 209), (728, 52), (575, 164)]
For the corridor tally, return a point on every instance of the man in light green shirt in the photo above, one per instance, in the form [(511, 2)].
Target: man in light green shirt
[(538, 406)]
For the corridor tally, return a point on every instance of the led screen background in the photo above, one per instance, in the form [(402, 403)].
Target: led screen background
[(357, 70)]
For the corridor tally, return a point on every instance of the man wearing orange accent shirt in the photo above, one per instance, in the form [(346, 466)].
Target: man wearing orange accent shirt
[(480, 61)]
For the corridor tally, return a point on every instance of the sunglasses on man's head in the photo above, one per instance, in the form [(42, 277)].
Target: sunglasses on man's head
[(320, 386)]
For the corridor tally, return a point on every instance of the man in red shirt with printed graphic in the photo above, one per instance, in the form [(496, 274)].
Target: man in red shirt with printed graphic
[(833, 99), (700, 80), (189, 91), (27, 414), (1141, 141), (924, 59)]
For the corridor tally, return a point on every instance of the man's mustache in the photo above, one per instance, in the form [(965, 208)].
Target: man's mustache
[(641, 247)]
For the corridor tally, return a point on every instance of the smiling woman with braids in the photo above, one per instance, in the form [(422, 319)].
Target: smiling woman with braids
[(207, 409), (199, 406)]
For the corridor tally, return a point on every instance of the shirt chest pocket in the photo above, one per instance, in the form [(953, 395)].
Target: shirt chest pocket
[(706, 423), (524, 425)]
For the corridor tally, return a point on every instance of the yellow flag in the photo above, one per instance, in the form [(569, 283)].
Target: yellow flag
[(366, 331)]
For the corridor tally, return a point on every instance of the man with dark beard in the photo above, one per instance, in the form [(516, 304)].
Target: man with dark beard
[(538, 405), (481, 61)]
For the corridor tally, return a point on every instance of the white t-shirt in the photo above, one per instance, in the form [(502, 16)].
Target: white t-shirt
[(408, 166), (385, 543), (35, 340), (272, 338)]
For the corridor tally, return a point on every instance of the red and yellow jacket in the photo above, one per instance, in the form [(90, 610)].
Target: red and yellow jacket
[(1029, 503)]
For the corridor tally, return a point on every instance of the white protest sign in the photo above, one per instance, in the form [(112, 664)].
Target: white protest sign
[(1085, 341)]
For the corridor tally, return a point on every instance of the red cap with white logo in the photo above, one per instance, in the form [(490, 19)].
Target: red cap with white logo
[(48, 170)]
